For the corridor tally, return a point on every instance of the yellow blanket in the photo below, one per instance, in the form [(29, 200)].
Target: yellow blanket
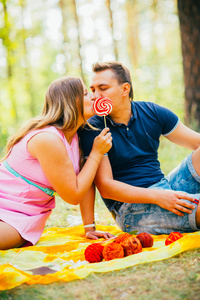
[(59, 256)]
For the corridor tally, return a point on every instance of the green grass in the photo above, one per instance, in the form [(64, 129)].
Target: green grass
[(177, 278)]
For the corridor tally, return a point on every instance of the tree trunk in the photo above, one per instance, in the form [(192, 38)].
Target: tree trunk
[(28, 80), (64, 6), (133, 42), (189, 17), (9, 60), (79, 41), (108, 3)]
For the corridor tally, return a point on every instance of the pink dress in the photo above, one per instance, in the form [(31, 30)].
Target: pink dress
[(24, 206)]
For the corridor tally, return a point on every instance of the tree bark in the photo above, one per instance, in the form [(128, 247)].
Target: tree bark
[(133, 42), (28, 78), (189, 17), (79, 41), (9, 60), (115, 48), (65, 10)]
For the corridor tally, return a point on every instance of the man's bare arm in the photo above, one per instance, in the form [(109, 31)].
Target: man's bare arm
[(185, 137), (122, 192)]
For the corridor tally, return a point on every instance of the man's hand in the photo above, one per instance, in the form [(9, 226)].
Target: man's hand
[(174, 201), (95, 235)]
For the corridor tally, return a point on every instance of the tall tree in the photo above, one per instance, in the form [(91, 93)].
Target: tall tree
[(79, 40), (132, 31), (189, 16), (109, 4), (9, 45), (64, 6), (28, 80)]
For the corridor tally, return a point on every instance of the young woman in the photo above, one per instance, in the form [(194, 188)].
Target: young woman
[(42, 158)]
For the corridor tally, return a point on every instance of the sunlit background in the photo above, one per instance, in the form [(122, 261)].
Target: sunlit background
[(44, 40)]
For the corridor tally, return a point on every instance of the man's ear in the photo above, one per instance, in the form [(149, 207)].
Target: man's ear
[(126, 89)]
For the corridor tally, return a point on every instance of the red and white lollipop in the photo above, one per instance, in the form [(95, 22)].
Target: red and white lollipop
[(102, 107)]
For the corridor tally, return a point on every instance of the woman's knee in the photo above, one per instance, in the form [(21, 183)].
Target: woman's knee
[(9, 237)]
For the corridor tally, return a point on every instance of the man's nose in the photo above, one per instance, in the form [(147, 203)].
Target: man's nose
[(96, 95), (92, 97)]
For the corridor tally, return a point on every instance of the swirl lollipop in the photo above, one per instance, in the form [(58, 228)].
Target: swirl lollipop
[(102, 107)]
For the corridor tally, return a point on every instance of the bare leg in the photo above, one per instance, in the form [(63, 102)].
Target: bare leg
[(9, 237)]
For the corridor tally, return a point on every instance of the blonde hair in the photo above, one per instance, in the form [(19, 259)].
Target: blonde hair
[(63, 100)]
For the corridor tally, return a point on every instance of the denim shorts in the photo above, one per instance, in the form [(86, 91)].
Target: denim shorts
[(154, 219)]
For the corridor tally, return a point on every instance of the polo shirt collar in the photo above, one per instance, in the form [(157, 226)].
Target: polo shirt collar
[(134, 112), (133, 117)]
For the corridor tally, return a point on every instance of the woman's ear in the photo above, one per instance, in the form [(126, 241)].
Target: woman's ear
[(126, 89)]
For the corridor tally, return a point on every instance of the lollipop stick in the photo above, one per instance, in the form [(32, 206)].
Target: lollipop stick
[(105, 121)]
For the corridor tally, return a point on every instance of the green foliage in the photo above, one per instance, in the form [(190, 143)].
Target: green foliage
[(36, 48), (3, 140)]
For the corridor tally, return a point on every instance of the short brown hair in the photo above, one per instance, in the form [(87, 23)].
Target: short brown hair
[(122, 74)]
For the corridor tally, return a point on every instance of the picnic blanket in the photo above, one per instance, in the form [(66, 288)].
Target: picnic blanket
[(59, 256)]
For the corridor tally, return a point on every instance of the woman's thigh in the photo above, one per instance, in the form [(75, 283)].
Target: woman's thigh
[(9, 237)]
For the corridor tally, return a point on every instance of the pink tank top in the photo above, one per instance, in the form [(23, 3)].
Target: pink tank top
[(24, 206), (24, 163)]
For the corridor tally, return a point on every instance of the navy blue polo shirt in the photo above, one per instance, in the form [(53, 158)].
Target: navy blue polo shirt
[(134, 153)]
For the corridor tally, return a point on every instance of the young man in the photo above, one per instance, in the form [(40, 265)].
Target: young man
[(129, 178)]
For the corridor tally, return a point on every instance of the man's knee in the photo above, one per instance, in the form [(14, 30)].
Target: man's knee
[(198, 216), (196, 160)]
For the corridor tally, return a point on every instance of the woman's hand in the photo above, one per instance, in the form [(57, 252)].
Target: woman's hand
[(174, 201), (95, 235), (102, 143)]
